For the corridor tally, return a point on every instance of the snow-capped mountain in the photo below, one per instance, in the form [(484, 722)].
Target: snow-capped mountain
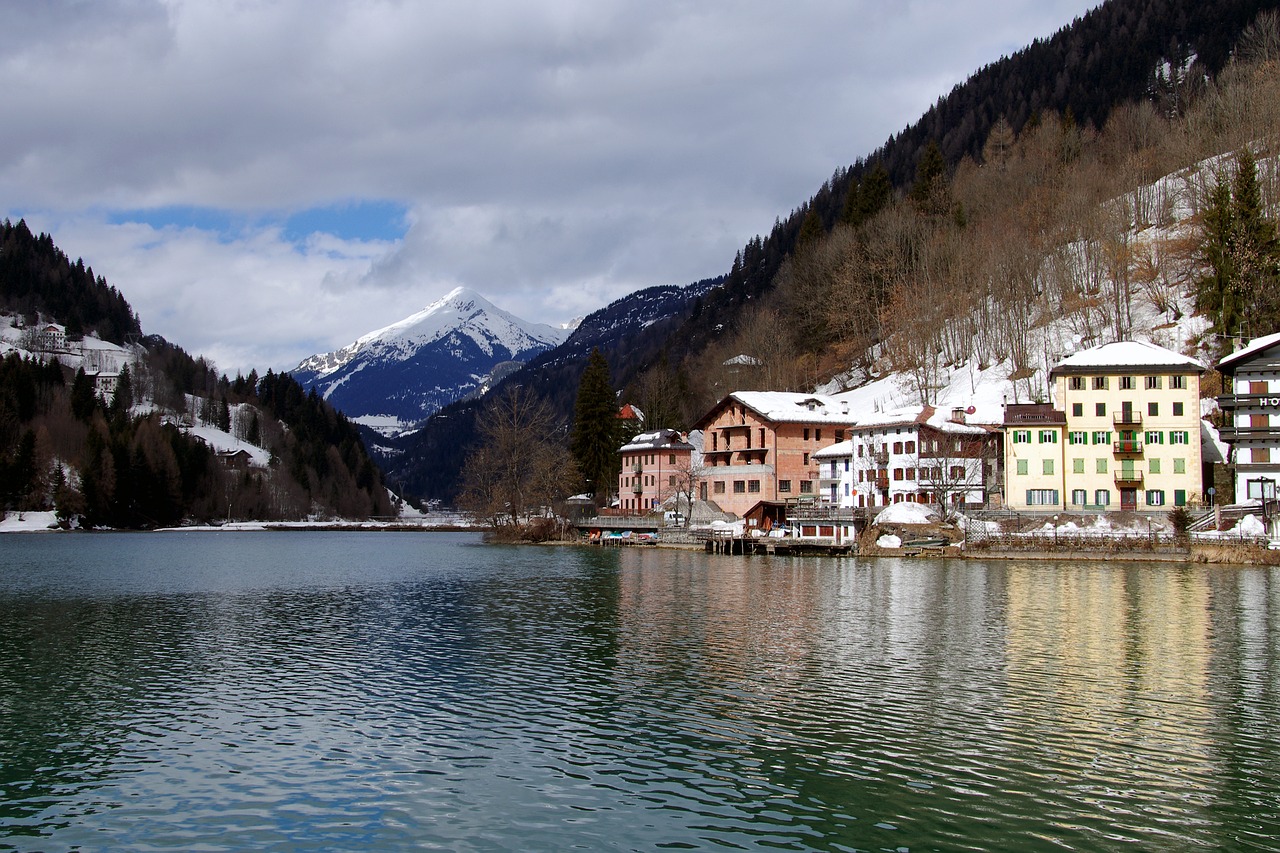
[(392, 378)]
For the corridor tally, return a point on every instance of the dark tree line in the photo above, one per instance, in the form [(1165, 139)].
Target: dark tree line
[(37, 278)]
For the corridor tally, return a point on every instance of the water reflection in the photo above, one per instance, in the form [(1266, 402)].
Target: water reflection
[(387, 692)]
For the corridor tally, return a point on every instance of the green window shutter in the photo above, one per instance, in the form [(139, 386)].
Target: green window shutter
[(1022, 466), (1077, 466)]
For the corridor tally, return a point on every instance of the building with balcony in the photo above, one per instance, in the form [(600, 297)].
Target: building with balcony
[(759, 445), (1252, 403), (1122, 433), (656, 466), (918, 454)]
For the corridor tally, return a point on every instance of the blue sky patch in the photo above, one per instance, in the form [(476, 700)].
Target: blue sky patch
[(357, 220)]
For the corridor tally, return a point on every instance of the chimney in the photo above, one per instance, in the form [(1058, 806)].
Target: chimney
[(957, 414)]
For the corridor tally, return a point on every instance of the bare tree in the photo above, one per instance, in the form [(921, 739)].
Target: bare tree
[(520, 466)]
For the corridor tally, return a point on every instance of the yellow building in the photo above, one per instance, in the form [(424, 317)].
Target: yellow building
[(1128, 436)]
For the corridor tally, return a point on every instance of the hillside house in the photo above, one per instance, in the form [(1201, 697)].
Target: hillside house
[(1252, 401), (1123, 433), (759, 445), (656, 466)]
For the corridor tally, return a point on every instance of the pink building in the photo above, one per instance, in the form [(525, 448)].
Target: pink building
[(656, 466)]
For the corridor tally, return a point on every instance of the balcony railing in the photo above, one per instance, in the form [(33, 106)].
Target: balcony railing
[(636, 488), (1128, 479), (1128, 447), (1130, 418), (1248, 401)]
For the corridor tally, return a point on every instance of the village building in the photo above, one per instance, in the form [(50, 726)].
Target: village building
[(1122, 433), (1252, 401), (656, 466), (918, 454), (759, 445)]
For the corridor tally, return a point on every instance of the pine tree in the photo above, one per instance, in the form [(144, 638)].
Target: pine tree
[(595, 439)]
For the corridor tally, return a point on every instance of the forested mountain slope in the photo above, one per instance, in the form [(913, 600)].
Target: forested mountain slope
[(920, 229), (114, 429)]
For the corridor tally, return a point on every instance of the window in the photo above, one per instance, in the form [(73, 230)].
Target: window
[(1260, 454), (806, 459), (1153, 410), (839, 435), (1179, 466), (1076, 383), (1153, 465), (1102, 437), (784, 486), (1022, 466), (672, 459), (1153, 383), (1179, 495), (1100, 466), (806, 486), (1048, 466), (1079, 497), (1078, 437), (1042, 497), (1099, 383), (1100, 409), (1022, 436), (897, 473), (671, 481), (1154, 436), (1155, 497), (739, 487), (860, 451), (1177, 410), (806, 433), (753, 486), (1048, 436), (1126, 383), (1077, 410), (817, 435), (1077, 466), (718, 487), (911, 473), (910, 447), (957, 473), (1102, 497), (1180, 383), (1179, 437)]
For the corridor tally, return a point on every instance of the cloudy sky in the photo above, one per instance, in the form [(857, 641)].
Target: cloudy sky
[(267, 179)]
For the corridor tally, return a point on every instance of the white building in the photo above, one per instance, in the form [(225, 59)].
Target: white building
[(1252, 400), (917, 454)]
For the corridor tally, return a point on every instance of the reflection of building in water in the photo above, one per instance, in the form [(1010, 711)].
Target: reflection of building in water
[(1112, 664)]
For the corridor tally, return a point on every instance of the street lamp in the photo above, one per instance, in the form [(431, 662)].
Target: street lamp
[(1267, 491)]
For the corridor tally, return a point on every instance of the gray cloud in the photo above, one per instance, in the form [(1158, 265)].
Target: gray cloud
[(553, 155)]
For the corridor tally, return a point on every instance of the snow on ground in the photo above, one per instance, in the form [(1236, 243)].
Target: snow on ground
[(224, 442), (905, 513), (28, 522), (889, 541)]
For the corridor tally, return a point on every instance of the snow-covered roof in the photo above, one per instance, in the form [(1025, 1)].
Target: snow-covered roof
[(835, 451), (665, 439), (790, 407), (742, 360), (1255, 347), (1127, 355)]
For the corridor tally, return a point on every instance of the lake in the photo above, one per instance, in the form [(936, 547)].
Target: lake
[(386, 691)]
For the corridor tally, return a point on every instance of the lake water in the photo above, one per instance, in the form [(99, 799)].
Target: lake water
[(346, 691)]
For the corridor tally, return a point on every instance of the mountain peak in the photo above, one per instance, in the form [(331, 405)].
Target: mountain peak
[(437, 355)]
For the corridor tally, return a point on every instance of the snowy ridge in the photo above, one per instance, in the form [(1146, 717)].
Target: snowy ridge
[(461, 310), (394, 377)]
